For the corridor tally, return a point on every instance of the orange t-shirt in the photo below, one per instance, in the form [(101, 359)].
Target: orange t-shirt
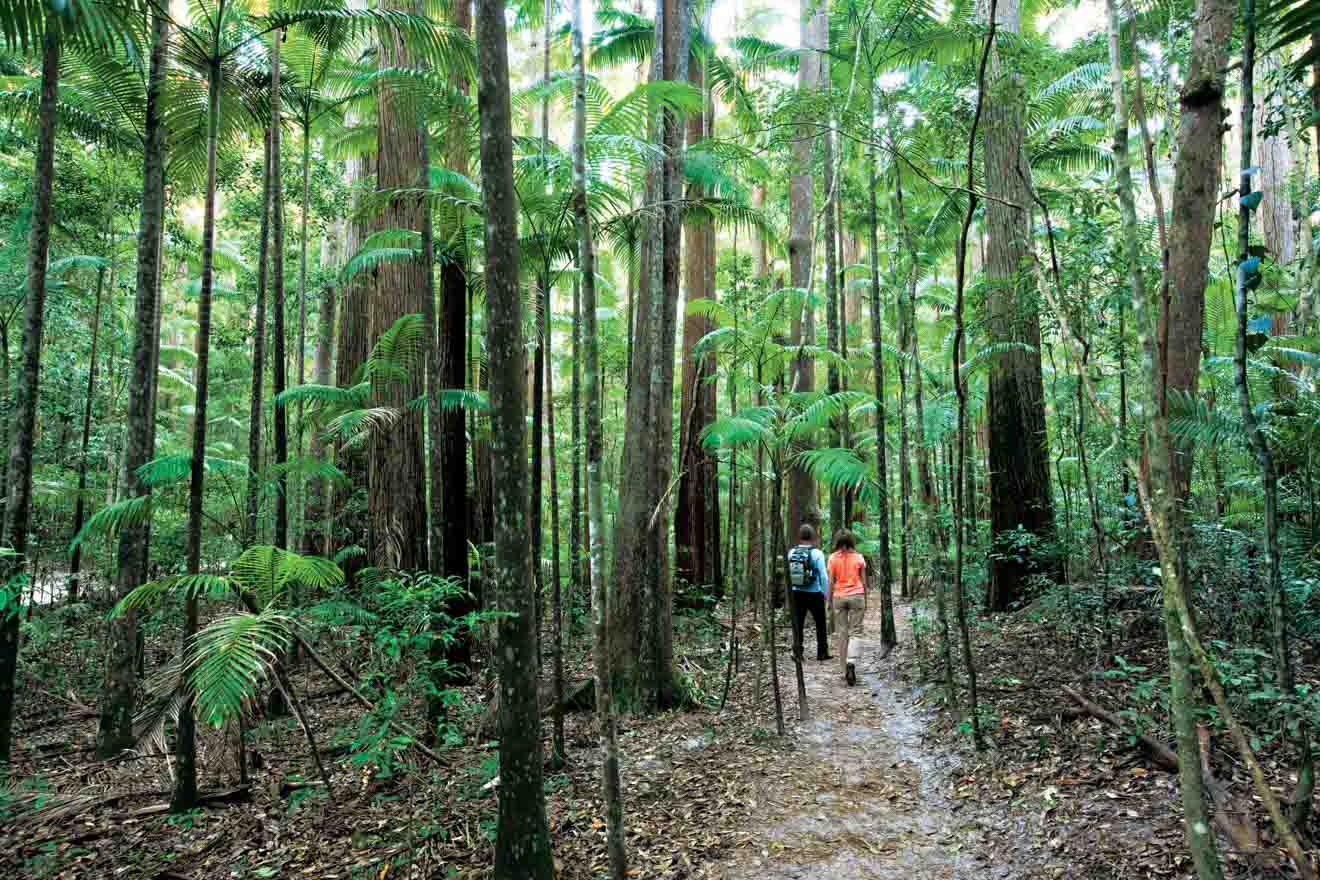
[(847, 573)]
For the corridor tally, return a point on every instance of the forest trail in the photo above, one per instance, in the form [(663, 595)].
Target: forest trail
[(862, 795)]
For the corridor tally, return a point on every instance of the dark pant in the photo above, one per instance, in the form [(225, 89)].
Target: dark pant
[(815, 603)]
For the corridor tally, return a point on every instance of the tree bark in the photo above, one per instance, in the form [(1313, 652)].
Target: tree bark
[(256, 410), (522, 844), (888, 631), (697, 512), (1195, 197), (1162, 508), (610, 786), (803, 506), (19, 501), (184, 796), (279, 358), (396, 472), (317, 514)]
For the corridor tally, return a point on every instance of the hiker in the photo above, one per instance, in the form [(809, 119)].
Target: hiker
[(810, 582), (847, 571)]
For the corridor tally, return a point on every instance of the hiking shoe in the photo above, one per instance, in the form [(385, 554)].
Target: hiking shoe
[(851, 675), (821, 658)]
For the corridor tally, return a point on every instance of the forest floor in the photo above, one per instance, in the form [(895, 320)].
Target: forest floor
[(879, 783)]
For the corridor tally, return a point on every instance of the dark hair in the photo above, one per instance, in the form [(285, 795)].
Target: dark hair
[(844, 540), (806, 533)]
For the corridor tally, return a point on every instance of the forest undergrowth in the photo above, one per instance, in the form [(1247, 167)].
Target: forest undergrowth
[(882, 778)]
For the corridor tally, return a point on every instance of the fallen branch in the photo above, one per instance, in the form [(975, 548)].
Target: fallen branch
[(1156, 750)]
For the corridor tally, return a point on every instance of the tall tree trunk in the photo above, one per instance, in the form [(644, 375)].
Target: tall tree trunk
[(802, 501), (1162, 505), (396, 471), (697, 513), (925, 481), (1195, 197), (301, 365), (348, 526), (833, 319), (256, 409), (185, 745), (79, 503), (522, 844), (277, 702), (640, 626), (19, 501), (279, 358), (114, 730), (543, 297), (577, 583), (1019, 447), (888, 631), (1260, 447), (610, 787), (559, 751), (450, 431), (316, 534)]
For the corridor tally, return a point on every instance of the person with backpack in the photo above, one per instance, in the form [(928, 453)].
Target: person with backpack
[(809, 580), (847, 571)]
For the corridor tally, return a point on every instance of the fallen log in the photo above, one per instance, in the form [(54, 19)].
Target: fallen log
[(1157, 751)]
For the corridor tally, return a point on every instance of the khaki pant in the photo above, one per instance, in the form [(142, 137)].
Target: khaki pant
[(848, 614)]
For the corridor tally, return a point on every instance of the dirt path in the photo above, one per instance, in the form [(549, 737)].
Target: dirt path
[(862, 795)]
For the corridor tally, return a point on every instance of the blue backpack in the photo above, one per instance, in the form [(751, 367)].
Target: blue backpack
[(801, 569)]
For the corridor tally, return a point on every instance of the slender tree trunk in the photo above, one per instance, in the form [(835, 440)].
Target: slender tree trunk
[(610, 786), (888, 631), (449, 430), (256, 410), (832, 317), (317, 514), (277, 702), (522, 847), (960, 389), (301, 366), (1260, 447), (18, 506), (185, 746), (559, 752), (577, 583), (279, 358), (79, 504)]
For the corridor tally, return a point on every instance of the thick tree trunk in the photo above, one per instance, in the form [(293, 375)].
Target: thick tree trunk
[(1161, 505), (185, 747), (697, 513), (522, 844), (640, 625), (256, 409), (1195, 197), (19, 501), (1019, 447), (348, 524), (396, 472), (802, 493)]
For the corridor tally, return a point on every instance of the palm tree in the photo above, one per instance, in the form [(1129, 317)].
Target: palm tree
[(25, 23)]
